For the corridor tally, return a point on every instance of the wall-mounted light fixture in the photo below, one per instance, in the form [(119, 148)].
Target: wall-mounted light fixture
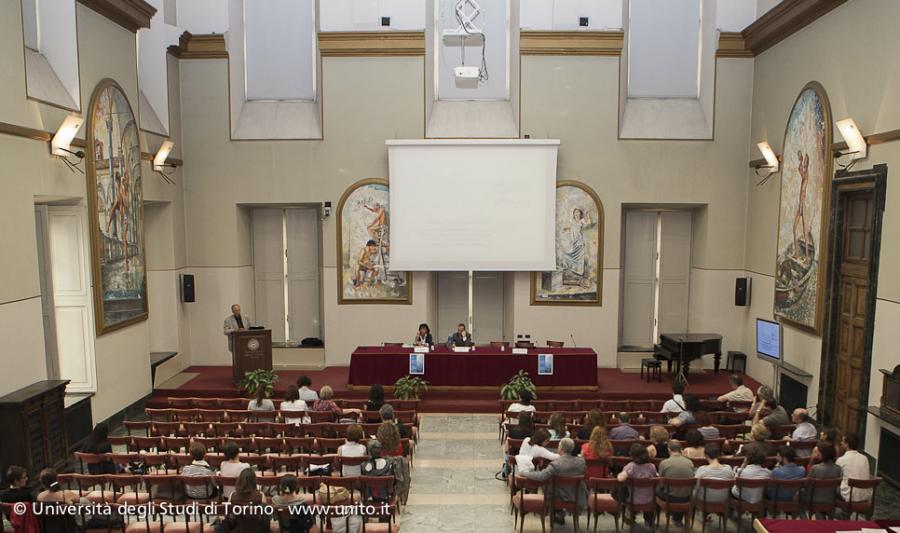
[(62, 141), (856, 143), (771, 165), (159, 160)]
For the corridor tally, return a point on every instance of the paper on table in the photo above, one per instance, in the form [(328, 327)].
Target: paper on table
[(520, 351), (873, 530)]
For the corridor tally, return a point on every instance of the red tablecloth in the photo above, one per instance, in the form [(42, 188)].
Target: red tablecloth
[(484, 366), (777, 525)]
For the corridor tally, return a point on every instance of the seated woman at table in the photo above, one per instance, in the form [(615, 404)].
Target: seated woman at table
[(461, 337), (423, 337)]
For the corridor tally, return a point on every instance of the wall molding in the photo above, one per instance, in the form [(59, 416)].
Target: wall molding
[(371, 44), (205, 46), (44, 136), (732, 44), (783, 20), (871, 140), (571, 43), (130, 14)]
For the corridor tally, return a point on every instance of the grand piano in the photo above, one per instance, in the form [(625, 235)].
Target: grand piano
[(682, 348)]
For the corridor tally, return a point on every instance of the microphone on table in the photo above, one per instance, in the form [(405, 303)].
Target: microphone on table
[(572, 336)]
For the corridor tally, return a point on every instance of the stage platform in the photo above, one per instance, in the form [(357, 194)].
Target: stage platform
[(612, 384)]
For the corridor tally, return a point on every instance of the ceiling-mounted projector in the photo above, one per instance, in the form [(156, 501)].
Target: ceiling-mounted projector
[(465, 72)]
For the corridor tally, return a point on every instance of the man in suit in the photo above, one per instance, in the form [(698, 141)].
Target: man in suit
[(235, 322), (461, 337), (566, 466)]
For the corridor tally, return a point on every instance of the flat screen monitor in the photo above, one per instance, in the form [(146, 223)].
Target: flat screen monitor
[(768, 340)]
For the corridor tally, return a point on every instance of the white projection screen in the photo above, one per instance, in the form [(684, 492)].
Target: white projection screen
[(485, 205)]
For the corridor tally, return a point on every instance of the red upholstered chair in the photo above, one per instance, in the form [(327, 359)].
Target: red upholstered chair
[(865, 507), (164, 488), (289, 464), (201, 482), (701, 502), (577, 485), (134, 426), (87, 459), (741, 506), (269, 445), (300, 444), (524, 503), (342, 461), (634, 508), (92, 487), (826, 490), (601, 500), (165, 429), (233, 403), (783, 487), (329, 446), (128, 489), (669, 507), (238, 415), (207, 403)]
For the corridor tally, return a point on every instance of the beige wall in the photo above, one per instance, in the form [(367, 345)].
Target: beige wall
[(851, 52), (106, 50)]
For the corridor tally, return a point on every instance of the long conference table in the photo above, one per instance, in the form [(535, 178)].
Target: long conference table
[(483, 366)]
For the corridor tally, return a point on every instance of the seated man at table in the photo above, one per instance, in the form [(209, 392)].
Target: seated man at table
[(461, 337)]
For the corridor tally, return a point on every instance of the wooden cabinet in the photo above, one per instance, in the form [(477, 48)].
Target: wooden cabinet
[(33, 429)]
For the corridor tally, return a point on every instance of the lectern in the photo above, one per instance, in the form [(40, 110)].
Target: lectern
[(252, 351)]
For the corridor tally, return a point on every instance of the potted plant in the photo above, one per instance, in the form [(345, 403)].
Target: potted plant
[(408, 387), (255, 379), (516, 384)]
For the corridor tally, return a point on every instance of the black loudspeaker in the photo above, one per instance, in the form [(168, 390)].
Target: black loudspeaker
[(742, 292), (187, 288)]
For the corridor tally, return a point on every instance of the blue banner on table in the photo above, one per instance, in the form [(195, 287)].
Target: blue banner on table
[(545, 364), (416, 364)]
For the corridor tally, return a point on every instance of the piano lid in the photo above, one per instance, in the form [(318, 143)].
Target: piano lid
[(691, 337)]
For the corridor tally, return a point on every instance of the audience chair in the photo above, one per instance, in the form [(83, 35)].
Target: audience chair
[(288, 464), (635, 508), (601, 500), (312, 463), (238, 415), (176, 444), (156, 462), (163, 488), (207, 403), (233, 403), (319, 417), (707, 507), (530, 502), (329, 446), (123, 460), (86, 459), (741, 506), (297, 445), (782, 487), (127, 489), (207, 482), (666, 505), (342, 461), (829, 489), (864, 507), (123, 440), (92, 487), (269, 445), (132, 426)]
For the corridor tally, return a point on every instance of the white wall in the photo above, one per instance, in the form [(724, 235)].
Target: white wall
[(202, 16), (280, 38), (663, 40), (735, 15), (564, 14), (493, 22), (365, 15)]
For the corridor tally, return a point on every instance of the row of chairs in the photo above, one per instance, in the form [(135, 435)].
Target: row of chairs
[(588, 404), (241, 429), (639, 417), (244, 415), (608, 495), (728, 446), (241, 403), (155, 464)]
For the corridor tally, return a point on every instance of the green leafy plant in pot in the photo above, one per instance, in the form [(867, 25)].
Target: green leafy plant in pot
[(255, 379), (516, 384), (408, 387)]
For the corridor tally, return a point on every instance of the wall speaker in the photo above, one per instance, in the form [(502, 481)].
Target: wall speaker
[(187, 288), (742, 292)]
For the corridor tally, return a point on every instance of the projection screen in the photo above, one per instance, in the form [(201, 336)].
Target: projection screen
[(485, 205)]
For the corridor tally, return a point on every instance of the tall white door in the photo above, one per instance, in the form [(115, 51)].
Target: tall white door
[(674, 271), (42, 232), (639, 283)]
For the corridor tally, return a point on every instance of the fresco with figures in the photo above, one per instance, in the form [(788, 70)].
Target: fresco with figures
[(116, 214), (578, 277), (803, 216), (364, 247)]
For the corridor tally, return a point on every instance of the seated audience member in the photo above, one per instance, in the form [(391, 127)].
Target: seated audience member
[(387, 415), (423, 337), (759, 435), (525, 427), (752, 469), (566, 465), (689, 414), (640, 467), (52, 492), (289, 495), (306, 393), (805, 429), (598, 447), (376, 398), (389, 437), (461, 337), (533, 447), (772, 415), (557, 427), (706, 428), (676, 466), (854, 465), (713, 470), (739, 392), (593, 419), (763, 393), (675, 404), (824, 469), (786, 469), (623, 430), (17, 489), (352, 448), (260, 402), (231, 465), (198, 468), (325, 403), (659, 439), (98, 442), (695, 448), (828, 436), (293, 403), (523, 404), (246, 493)]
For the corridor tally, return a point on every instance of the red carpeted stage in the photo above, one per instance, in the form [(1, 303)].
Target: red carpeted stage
[(612, 383)]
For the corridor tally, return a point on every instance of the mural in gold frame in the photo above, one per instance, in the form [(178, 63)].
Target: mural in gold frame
[(363, 248), (806, 177), (115, 209), (578, 278)]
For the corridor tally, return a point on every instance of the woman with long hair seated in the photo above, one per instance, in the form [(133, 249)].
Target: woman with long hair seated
[(598, 447)]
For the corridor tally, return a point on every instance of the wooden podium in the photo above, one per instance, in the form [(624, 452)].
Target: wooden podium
[(252, 351)]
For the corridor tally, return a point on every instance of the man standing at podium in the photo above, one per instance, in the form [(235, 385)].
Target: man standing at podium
[(235, 322)]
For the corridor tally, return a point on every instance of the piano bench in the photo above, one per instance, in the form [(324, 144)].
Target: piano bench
[(654, 369), (734, 358)]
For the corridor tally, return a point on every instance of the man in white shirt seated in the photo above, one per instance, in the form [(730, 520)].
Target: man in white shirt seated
[(524, 404), (854, 465), (676, 404), (805, 429), (739, 392)]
